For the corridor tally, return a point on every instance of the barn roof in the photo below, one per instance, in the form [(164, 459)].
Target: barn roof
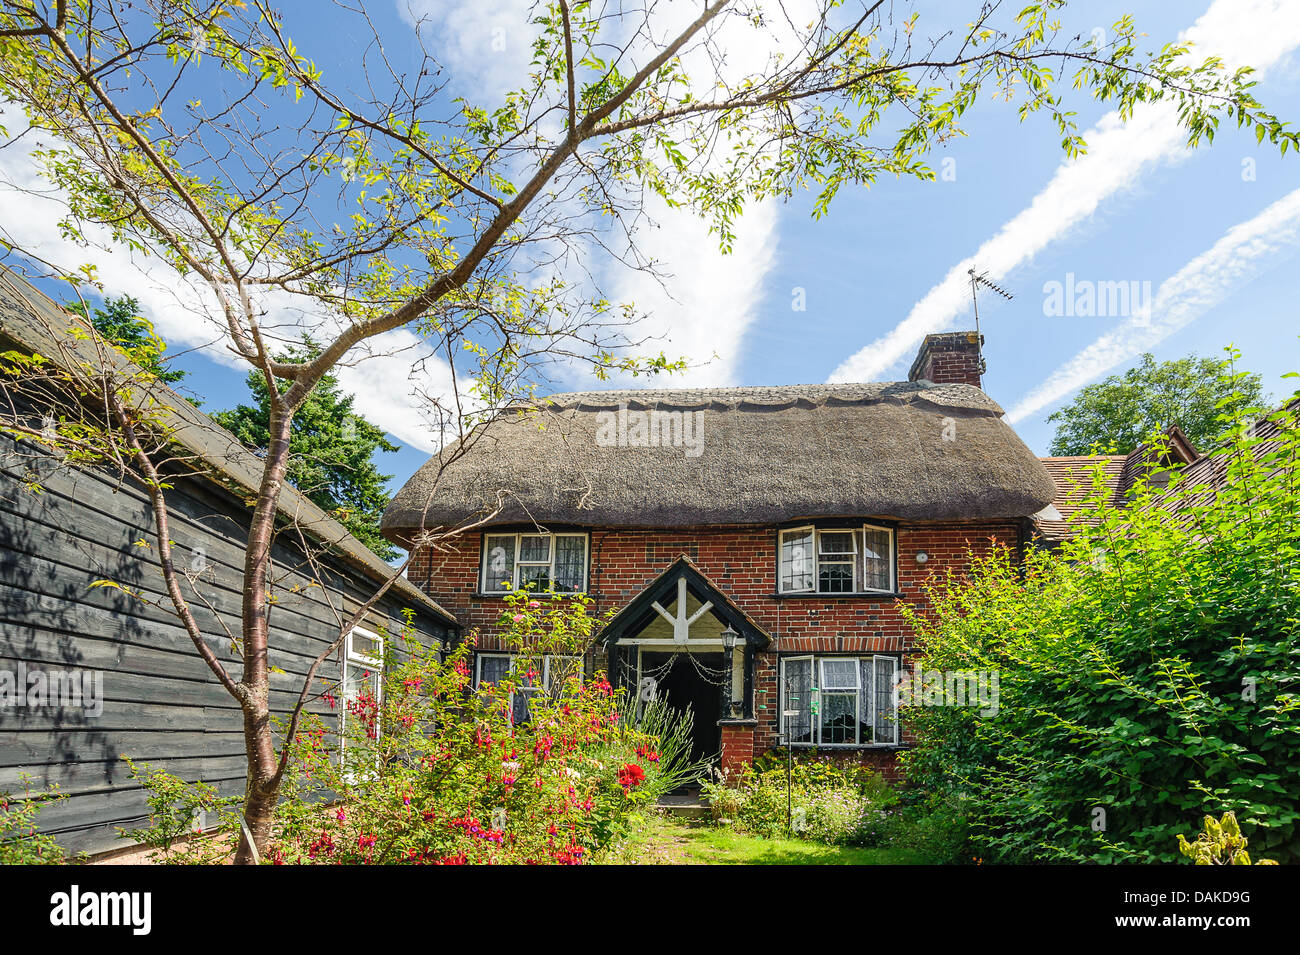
[(37, 324), (903, 450)]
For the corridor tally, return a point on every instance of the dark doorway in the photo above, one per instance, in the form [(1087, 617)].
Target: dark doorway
[(690, 682)]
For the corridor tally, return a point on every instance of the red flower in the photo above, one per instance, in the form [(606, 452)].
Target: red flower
[(631, 775)]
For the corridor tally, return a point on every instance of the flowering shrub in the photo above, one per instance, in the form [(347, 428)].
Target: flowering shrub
[(436, 772), (827, 803), (21, 843)]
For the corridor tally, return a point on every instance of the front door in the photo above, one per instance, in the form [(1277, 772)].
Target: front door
[(690, 682)]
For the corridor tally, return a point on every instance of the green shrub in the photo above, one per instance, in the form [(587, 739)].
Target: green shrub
[(1146, 673)]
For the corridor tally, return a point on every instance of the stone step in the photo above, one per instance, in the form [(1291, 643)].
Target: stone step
[(685, 807)]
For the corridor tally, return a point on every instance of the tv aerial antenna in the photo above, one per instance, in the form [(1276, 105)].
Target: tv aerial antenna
[(976, 280)]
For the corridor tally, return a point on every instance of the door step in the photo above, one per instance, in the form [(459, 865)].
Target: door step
[(685, 807)]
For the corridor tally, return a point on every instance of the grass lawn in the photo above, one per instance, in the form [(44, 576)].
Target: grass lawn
[(664, 840)]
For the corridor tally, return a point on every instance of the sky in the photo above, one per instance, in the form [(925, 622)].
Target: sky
[(1206, 240)]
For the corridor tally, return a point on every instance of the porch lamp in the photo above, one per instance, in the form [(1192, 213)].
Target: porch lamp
[(729, 643), (729, 638)]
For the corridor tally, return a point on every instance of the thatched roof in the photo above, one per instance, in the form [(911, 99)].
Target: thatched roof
[(905, 450), (32, 322)]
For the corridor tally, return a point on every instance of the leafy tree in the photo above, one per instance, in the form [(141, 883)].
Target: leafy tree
[(331, 450), (384, 203), (119, 321), (1121, 412)]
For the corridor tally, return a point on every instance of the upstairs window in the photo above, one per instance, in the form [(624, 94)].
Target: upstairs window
[(837, 560), (546, 563)]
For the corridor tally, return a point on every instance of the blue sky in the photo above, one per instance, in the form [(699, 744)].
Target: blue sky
[(864, 268)]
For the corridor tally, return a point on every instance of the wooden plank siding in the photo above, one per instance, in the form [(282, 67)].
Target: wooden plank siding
[(161, 704)]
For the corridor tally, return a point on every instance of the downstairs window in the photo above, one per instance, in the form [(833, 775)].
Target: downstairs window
[(840, 701)]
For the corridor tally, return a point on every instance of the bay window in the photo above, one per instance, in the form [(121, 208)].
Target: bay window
[(839, 701), (844, 560), (547, 563)]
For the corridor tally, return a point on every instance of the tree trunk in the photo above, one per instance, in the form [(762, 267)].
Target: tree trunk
[(262, 789)]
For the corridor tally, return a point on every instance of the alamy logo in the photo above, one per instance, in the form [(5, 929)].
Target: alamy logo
[(34, 688), (1084, 298), (74, 907), (651, 429), (950, 688)]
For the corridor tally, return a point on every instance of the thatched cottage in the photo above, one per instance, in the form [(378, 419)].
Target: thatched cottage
[(756, 543)]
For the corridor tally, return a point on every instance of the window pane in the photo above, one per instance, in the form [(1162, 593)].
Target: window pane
[(877, 558), (361, 689), (839, 717), (492, 670), (797, 561), (834, 578), (535, 547), (866, 706), (886, 714), (797, 697), (519, 704), (535, 577), (840, 674), (498, 563), (836, 542), (570, 563), (366, 645)]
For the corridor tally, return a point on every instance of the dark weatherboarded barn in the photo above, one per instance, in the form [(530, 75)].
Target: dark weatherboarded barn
[(149, 696)]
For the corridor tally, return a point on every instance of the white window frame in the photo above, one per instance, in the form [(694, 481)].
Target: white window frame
[(804, 531), (892, 558), (781, 697), (553, 540), (894, 665), (840, 559), (818, 690), (859, 557), (546, 667), (355, 658)]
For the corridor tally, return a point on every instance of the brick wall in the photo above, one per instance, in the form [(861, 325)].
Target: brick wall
[(742, 562), (949, 358)]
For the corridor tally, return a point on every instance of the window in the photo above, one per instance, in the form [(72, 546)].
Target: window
[(852, 702), (837, 560), (554, 669), (550, 563), (362, 685)]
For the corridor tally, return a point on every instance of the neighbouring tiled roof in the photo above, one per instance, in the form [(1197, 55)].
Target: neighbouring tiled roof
[(1075, 478)]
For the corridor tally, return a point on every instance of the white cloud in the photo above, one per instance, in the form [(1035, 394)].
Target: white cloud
[(1258, 32), (486, 47), (708, 300), (1244, 251)]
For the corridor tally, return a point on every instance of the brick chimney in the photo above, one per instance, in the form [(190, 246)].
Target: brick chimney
[(949, 358)]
